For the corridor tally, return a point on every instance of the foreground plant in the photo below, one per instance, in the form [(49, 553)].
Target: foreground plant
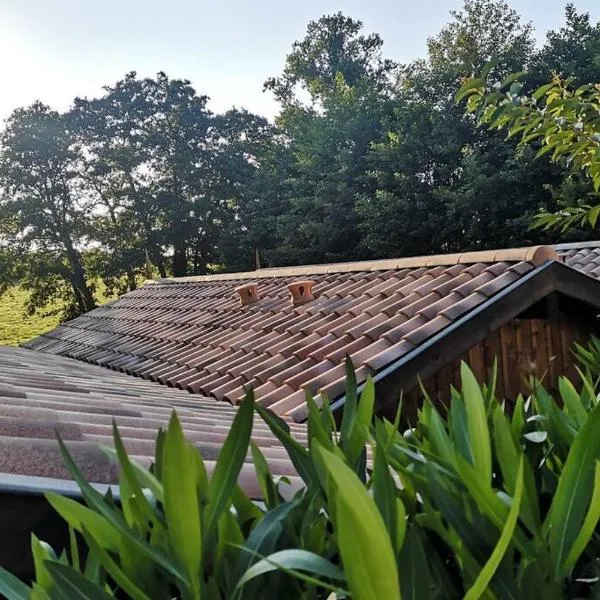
[(475, 502)]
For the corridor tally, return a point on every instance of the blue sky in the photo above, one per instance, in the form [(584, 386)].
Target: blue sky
[(54, 50)]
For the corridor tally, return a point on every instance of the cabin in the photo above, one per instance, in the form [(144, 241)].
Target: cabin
[(194, 345)]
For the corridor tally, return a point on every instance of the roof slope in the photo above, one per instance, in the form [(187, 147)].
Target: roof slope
[(193, 334), (583, 256), (42, 394)]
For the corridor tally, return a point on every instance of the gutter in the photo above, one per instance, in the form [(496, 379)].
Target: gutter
[(31, 485), (401, 362)]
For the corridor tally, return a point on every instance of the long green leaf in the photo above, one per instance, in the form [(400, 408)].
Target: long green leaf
[(587, 528), (293, 561), (479, 434), (363, 541), (384, 492), (80, 516), (229, 463), (489, 503), (116, 519), (574, 491), (74, 585), (41, 552), (508, 454), (182, 509), (490, 567), (415, 568), (264, 477), (298, 455), (113, 569), (12, 588), (572, 401), (264, 536)]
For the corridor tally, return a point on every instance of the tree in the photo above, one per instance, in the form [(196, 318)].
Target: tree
[(42, 213), (442, 184), (332, 48), (328, 138), (559, 120)]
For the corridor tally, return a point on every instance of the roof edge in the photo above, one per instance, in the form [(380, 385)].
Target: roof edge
[(14, 483), (535, 254), (576, 245)]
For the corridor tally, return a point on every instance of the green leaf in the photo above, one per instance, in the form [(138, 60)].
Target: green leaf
[(298, 455), (143, 476), (114, 518), (593, 215), (182, 509), (572, 401), (508, 455), (415, 568), (588, 527), (350, 406), (292, 562), (229, 463), (479, 434), (11, 588), (363, 541), (113, 569), (473, 86), (384, 493), (512, 78), (41, 552), (574, 491), (79, 516), (489, 503), (490, 567), (74, 585), (542, 90), (263, 538), (263, 475)]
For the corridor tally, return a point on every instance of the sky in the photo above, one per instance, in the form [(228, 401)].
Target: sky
[(54, 50)]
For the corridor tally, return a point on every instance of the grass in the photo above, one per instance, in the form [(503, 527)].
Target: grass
[(17, 327)]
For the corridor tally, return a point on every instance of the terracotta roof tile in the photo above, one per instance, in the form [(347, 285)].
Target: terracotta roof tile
[(56, 394), (192, 333)]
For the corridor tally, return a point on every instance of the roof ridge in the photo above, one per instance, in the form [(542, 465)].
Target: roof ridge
[(576, 245), (534, 254)]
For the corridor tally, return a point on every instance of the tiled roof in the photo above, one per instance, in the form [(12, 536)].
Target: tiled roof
[(193, 334), (583, 256), (42, 394)]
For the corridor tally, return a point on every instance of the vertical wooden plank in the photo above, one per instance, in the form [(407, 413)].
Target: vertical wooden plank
[(567, 339), (538, 337), (557, 347), (551, 354), (514, 348), (477, 363), (504, 340)]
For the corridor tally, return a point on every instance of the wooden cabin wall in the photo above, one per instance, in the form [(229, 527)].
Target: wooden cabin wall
[(523, 347)]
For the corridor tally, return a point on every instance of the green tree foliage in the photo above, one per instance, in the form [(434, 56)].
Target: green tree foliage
[(557, 118), (43, 214), (367, 158), (473, 503)]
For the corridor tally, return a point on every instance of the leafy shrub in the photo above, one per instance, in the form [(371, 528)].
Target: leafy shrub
[(477, 503)]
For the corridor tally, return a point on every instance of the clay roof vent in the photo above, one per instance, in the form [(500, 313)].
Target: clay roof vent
[(248, 293), (301, 292)]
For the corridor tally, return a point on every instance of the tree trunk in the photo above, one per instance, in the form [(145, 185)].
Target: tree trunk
[(131, 282), (85, 296), (180, 258), (159, 262)]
